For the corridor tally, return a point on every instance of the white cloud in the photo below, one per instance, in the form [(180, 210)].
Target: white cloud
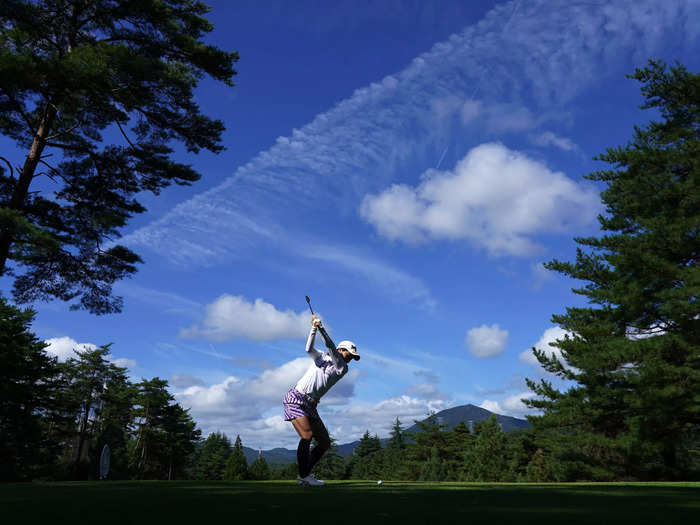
[(426, 391), (510, 406), (124, 362), (253, 407), (550, 335), (184, 381), (232, 317), (64, 347), (487, 341), (350, 422), (495, 197), (551, 139)]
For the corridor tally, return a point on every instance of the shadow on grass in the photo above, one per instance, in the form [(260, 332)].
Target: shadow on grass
[(141, 502)]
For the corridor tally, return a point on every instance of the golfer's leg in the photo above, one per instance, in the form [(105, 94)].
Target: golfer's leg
[(323, 442), (303, 427)]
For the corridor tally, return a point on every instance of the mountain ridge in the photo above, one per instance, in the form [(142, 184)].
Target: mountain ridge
[(468, 414)]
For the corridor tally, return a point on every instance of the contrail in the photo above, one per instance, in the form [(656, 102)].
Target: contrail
[(441, 157)]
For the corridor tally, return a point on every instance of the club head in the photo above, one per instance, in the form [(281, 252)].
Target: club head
[(309, 303)]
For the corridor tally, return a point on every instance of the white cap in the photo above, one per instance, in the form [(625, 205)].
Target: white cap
[(350, 347)]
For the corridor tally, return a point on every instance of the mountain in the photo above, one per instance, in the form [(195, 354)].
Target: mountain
[(469, 414), (275, 456)]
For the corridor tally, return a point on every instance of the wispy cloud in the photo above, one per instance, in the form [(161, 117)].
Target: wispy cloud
[(391, 280), (549, 138), (358, 146), (167, 302)]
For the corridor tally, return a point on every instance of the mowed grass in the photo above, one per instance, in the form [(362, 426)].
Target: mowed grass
[(355, 502)]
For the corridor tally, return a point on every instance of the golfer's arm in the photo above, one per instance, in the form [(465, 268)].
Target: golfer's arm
[(327, 339), (313, 353), (332, 350)]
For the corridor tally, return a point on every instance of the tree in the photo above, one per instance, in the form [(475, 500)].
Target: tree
[(149, 454), (114, 424), (213, 456), (331, 465), (87, 377), (108, 85), (486, 461), (259, 470), (538, 469), (634, 353), (394, 455), (366, 460), (27, 380), (434, 468), (237, 466), (432, 434), (181, 435)]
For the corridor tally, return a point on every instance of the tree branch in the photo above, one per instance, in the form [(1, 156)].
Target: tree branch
[(54, 170), (12, 172), (124, 134)]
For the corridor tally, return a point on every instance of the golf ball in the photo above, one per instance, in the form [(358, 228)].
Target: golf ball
[(379, 482)]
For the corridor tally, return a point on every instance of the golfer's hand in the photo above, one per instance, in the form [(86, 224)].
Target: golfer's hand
[(315, 321)]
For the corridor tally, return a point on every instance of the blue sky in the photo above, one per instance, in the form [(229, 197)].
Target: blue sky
[(409, 166)]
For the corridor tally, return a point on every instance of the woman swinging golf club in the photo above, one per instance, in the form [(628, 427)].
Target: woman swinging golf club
[(300, 402)]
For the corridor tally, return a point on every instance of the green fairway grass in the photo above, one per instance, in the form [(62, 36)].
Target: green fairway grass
[(356, 502)]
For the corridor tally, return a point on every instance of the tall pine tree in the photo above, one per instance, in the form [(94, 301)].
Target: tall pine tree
[(95, 95), (634, 356), (27, 381), (213, 456), (237, 465)]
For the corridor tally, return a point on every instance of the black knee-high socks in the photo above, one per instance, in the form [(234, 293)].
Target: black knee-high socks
[(316, 454), (303, 457), (305, 460)]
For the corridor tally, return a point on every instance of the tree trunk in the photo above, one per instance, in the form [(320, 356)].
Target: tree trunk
[(81, 439), (21, 191)]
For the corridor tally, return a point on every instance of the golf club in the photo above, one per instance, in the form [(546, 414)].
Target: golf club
[(326, 337)]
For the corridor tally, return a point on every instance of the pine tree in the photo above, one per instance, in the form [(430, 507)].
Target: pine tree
[(259, 469), (331, 465), (181, 435), (213, 457), (149, 451), (27, 391), (237, 466), (73, 75), (486, 461), (538, 469), (396, 437), (87, 375), (394, 455), (366, 460), (434, 468), (114, 424), (634, 354), (432, 435)]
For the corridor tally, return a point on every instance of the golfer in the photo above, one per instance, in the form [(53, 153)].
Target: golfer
[(301, 401)]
